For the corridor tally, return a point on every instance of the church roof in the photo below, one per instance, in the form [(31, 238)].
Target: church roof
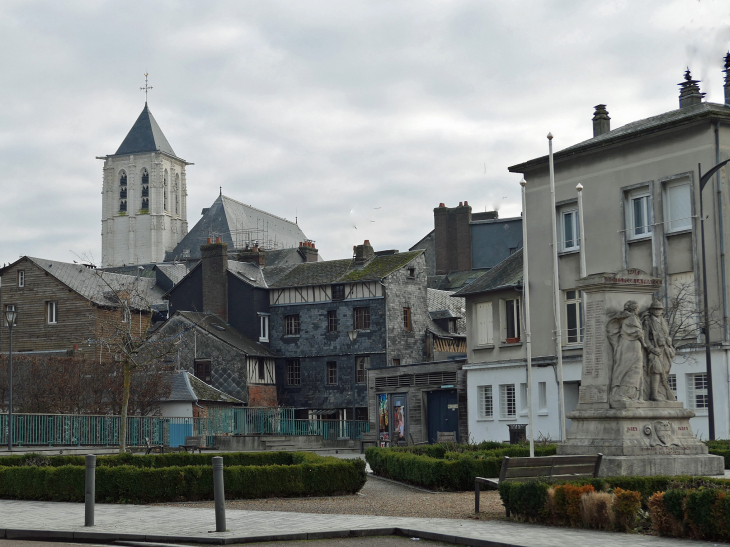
[(145, 136), (238, 224)]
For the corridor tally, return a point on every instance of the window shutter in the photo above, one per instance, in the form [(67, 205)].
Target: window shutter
[(485, 324), (679, 206)]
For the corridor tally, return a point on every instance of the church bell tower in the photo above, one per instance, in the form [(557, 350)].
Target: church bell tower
[(144, 210)]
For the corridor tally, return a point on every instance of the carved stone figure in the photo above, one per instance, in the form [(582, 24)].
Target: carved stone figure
[(660, 353), (626, 336)]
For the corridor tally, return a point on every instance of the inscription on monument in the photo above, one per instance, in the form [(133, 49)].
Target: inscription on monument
[(593, 364), (593, 394)]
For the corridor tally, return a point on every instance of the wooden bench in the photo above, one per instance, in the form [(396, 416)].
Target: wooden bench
[(446, 436), (193, 443), (544, 467), (150, 447)]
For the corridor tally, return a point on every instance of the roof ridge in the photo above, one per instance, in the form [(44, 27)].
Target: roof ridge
[(257, 209)]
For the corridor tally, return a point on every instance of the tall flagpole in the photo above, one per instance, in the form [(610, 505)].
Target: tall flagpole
[(556, 296), (526, 313)]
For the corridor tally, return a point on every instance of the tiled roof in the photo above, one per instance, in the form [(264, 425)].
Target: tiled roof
[(100, 287), (218, 328), (507, 273), (441, 305), (205, 392), (186, 387), (343, 271), (231, 219), (631, 130), (174, 272), (145, 136), (248, 272)]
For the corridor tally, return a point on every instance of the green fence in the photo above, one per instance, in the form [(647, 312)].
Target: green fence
[(83, 430)]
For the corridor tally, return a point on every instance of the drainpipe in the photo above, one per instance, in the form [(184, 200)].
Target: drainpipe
[(726, 332)]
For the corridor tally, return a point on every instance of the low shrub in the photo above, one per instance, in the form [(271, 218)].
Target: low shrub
[(626, 505), (567, 503), (306, 475), (596, 509)]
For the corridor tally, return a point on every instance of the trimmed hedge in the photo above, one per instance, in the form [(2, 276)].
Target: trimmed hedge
[(305, 474), (178, 459), (449, 471)]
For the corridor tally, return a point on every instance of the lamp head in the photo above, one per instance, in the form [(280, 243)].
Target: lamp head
[(579, 187), (10, 317), (550, 136), (523, 182)]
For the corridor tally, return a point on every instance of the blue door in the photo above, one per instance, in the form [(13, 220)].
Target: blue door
[(179, 431), (443, 414)]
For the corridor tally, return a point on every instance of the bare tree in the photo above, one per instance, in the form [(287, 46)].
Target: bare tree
[(122, 333), (685, 314)]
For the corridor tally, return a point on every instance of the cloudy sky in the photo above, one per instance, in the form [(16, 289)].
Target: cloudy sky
[(356, 117)]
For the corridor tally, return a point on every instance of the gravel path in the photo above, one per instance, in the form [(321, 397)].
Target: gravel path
[(381, 498)]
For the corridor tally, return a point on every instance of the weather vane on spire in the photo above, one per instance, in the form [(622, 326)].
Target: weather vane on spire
[(146, 87)]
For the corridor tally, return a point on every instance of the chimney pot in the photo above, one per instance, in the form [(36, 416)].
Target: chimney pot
[(601, 121), (442, 205), (218, 239), (461, 204), (209, 241), (466, 203), (689, 92), (367, 242)]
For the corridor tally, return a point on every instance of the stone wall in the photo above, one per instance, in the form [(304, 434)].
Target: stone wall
[(404, 291)]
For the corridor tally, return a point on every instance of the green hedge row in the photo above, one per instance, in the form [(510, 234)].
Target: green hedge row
[(312, 476), (178, 459), (430, 472)]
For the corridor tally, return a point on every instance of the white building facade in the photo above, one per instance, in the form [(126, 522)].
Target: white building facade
[(144, 211), (641, 211)]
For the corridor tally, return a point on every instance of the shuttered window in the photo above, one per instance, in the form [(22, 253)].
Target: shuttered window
[(485, 327), (484, 401)]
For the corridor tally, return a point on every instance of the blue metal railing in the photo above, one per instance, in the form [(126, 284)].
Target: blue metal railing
[(85, 430)]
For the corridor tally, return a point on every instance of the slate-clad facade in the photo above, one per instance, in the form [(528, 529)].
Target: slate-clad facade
[(385, 285)]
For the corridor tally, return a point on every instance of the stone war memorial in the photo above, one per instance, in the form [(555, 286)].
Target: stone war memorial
[(626, 409)]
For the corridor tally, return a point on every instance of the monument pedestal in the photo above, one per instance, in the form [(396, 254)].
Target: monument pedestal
[(636, 437), (643, 438)]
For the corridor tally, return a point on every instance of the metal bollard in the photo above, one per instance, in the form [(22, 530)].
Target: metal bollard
[(90, 489), (219, 495)]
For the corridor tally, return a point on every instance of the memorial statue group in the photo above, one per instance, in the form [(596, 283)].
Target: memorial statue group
[(642, 354)]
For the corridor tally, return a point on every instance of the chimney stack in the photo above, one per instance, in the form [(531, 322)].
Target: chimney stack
[(308, 251), (689, 93), (253, 254), (727, 78), (364, 253), (452, 238), (601, 121), (214, 258)]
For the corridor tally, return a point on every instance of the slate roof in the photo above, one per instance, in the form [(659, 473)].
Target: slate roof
[(230, 219), (454, 280), (174, 272), (507, 273), (132, 269), (343, 271), (219, 329), (442, 305), (145, 136), (99, 286), (654, 124), (248, 272), (186, 387)]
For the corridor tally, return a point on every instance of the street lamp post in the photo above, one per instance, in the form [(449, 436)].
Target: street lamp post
[(10, 316), (708, 363)]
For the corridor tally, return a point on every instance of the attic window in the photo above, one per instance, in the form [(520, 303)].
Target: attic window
[(412, 273), (202, 369), (338, 292)]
